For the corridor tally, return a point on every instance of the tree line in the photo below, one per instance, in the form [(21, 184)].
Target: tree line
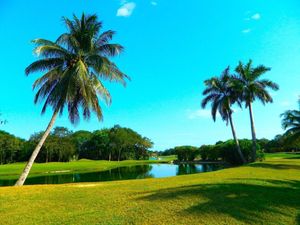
[(226, 150), (62, 145)]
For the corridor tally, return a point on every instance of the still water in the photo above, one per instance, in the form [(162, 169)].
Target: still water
[(121, 173)]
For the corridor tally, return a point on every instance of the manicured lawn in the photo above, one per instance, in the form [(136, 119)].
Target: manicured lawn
[(168, 158), (260, 193)]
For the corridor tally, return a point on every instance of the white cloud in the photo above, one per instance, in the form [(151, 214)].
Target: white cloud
[(153, 3), (246, 31), (126, 9), (285, 103), (201, 113), (256, 16)]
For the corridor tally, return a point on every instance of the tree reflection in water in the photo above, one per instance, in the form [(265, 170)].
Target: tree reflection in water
[(121, 173)]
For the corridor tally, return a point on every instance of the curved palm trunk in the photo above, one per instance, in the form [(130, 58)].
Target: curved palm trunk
[(253, 155), (236, 140), (36, 151)]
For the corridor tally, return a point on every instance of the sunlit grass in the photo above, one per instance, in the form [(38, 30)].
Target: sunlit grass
[(259, 193)]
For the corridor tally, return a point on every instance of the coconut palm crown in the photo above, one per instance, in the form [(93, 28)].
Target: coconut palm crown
[(74, 66), (220, 93), (250, 84), (291, 123)]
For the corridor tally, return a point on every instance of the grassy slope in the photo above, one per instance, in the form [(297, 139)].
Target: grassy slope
[(261, 193)]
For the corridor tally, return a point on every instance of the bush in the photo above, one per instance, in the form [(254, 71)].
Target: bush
[(227, 152), (204, 151), (186, 153)]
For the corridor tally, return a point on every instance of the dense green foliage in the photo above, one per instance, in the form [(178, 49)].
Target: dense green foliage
[(62, 145), (225, 151), (10, 148), (116, 143), (186, 153), (221, 151)]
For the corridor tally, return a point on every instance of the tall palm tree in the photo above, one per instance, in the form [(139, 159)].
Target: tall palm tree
[(221, 95), (291, 123), (250, 88), (74, 67)]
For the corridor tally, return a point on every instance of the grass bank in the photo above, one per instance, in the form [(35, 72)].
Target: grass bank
[(261, 193)]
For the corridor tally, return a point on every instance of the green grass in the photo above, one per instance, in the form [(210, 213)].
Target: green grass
[(261, 193), (286, 155), (168, 158), (12, 171)]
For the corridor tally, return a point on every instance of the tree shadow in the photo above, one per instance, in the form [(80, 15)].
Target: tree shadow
[(275, 166), (296, 157), (245, 202)]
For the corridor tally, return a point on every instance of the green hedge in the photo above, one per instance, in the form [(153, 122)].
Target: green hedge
[(227, 152)]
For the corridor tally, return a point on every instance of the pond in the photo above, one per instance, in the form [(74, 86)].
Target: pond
[(121, 173)]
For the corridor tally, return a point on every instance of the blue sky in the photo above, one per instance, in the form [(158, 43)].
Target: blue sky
[(171, 48)]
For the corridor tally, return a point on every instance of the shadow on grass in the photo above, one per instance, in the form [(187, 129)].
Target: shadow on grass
[(245, 202), (275, 166), (296, 157)]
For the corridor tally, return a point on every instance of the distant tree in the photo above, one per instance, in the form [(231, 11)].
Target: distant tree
[(80, 138), (222, 96), (250, 87), (186, 153), (59, 146), (10, 147), (97, 147), (61, 132), (117, 143), (74, 66)]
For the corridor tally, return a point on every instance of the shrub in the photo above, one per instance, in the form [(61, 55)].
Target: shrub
[(186, 153), (204, 151), (228, 153)]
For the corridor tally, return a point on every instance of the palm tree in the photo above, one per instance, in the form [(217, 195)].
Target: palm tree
[(74, 67), (291, 123), (250, 88), (221, 95)]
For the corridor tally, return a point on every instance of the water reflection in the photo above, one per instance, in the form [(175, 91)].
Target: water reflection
[(121, 173)]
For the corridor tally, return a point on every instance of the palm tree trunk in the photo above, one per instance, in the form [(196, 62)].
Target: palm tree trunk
[(236, 140), (119, 155), (253, 157), (36, 151)]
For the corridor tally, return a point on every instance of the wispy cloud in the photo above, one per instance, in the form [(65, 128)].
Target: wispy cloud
[(256, 16), (201, 113), (285, 103), (154, 3), (246, 31), (126, 9)]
